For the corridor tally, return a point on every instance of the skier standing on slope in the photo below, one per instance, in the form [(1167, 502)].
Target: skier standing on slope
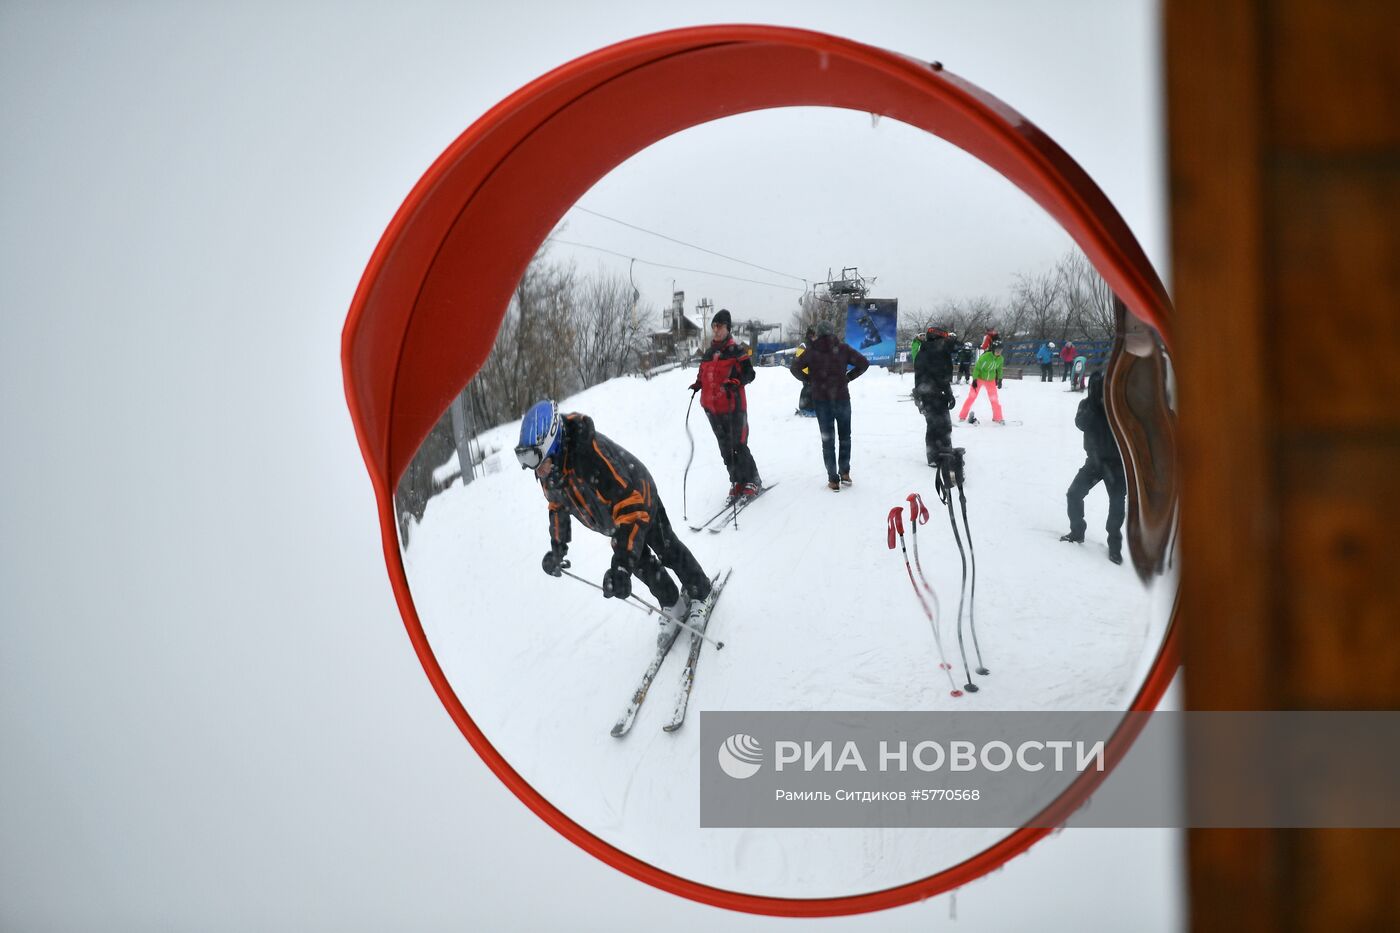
[(826, 364), (1067, 355), (1102, 463), (1045, 356), (933, 390), (586, 475), (725, 368), (965, 356), (985, 377)]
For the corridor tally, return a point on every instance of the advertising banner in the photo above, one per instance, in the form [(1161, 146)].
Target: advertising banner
[(871, 325)]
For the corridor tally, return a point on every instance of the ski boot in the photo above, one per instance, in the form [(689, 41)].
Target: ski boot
[(671, 620), (699, 614)]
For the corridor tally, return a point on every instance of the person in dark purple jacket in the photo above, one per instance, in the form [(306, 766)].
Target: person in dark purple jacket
[(830, 365)]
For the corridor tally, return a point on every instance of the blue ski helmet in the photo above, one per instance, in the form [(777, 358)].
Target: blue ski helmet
[(539, 435)]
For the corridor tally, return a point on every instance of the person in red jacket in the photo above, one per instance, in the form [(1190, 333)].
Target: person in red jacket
[(828, 365), (1067, 355), (725, 368)]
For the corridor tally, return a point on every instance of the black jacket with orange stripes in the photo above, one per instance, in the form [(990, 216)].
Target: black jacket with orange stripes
[(604, 487)]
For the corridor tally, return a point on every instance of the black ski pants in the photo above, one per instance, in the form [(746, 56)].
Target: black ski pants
[(665, 551), (938, 430), (1110, 473), (732, 435), (1047, 372)]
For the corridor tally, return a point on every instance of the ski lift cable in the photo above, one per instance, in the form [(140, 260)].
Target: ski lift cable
[(662, 265), (690, 245)]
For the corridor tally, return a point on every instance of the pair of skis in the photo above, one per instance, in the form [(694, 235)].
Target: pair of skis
[(697, 641), (974, 422), (729, 513)]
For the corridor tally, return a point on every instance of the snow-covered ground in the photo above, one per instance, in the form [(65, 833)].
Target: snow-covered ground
[(819, 614)]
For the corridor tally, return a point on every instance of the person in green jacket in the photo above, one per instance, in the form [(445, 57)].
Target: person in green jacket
[(985, 376)]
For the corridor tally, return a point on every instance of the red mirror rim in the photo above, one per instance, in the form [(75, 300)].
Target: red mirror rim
[(425, 317)]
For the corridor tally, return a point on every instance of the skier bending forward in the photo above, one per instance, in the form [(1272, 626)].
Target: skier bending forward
[(586, 475)]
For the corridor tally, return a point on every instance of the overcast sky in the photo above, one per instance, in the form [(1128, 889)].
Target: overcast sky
[(806, 191), (210, 716)]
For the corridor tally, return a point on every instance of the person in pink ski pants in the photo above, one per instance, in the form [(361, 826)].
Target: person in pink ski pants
[(986, 375)]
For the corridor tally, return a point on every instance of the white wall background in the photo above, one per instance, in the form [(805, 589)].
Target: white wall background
[(210, 718)]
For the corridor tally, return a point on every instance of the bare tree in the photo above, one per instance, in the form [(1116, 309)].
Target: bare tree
[(608, 328), (1036, 302), (813, 308), (1088, 299), (530, 358)]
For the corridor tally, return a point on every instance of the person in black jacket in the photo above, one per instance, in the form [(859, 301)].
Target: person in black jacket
[(965, 359), (726, 366), (588, 476), (829, 365), (1103, 463), (933, 390)]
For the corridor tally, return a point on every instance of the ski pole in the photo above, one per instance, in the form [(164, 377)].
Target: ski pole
[(734, 454), (685, 478), (644, 606), (972, 598), (918, 515), (943, 487), (894, 524)]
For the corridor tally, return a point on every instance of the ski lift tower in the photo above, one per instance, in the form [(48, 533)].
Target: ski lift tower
[(755, 329), (851, 285)]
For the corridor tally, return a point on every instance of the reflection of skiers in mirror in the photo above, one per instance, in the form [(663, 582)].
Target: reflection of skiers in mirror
[(586, 475), (965, 357), (725, 368), (1067, 355), (829, 365), (986, 377), (933, 391), (872, 332), (804, 397), (1102, 463), (1045, 356)]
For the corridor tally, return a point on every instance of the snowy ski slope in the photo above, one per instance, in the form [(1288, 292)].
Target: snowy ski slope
[(819, 614)]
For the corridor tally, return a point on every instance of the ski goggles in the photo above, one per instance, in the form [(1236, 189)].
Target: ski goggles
[(530, 457)]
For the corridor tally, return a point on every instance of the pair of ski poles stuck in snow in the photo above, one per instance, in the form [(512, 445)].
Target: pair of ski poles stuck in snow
[(949, 475)]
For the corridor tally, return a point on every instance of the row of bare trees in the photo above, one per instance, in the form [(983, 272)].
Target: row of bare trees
[(1069, 301), (563, 332)]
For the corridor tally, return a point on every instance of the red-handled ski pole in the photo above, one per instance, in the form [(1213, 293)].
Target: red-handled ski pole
[(894, 524), (918, 515)]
